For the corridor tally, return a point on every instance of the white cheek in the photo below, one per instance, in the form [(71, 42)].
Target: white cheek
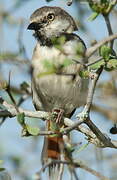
[(57, 27)]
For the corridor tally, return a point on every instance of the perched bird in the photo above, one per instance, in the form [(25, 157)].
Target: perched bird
[(56, 84)]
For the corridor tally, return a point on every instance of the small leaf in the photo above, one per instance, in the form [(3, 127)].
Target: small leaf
[(111, 65), (84, 74), (21, 118), (32, 130), (99, 6), (97, 65), (93, 16), (105, 52)]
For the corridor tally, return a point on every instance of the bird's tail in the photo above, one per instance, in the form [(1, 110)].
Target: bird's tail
[(53, 149)]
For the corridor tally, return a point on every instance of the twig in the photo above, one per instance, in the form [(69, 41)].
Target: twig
[(90, 64), (8, 90), (94, 80), (109, 28), (72, 127), (92, 171), (92, 49), (106, 141)]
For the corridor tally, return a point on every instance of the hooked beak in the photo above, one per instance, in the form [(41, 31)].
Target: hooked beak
[(34, 26)]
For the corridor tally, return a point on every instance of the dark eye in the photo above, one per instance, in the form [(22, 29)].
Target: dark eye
[(50, 16)]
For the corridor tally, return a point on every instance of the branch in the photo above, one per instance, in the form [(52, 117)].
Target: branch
[(11, 112), (109, 28), (92, 49)]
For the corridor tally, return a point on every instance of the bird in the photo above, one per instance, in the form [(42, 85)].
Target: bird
[(56, 84)]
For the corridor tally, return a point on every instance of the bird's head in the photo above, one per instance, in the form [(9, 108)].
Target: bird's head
[(51, 22)]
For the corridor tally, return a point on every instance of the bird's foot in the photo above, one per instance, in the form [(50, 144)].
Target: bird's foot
[(58, 115)]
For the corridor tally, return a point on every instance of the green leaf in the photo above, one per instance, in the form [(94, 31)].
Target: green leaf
[(105, 52), (32, 130), (21, 118), (84, 74), (111, 65), (97, 65), (93, 16), (99, 6)]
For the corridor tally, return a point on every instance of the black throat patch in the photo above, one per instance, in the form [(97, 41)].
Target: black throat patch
[(43, 41)]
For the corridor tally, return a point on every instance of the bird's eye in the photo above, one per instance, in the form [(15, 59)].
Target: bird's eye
[(50, 16)]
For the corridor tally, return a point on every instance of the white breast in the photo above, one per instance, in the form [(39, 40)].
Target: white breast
[(56, 91)]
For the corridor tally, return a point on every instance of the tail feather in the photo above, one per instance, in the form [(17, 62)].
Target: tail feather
[(53, 149)]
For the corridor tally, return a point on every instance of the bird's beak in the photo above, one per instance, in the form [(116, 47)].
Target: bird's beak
[(34, 26)]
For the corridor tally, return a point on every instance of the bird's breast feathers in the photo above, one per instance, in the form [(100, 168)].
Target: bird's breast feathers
[(54, 71)]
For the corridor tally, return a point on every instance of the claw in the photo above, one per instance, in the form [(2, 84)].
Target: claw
[(58, 115)]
